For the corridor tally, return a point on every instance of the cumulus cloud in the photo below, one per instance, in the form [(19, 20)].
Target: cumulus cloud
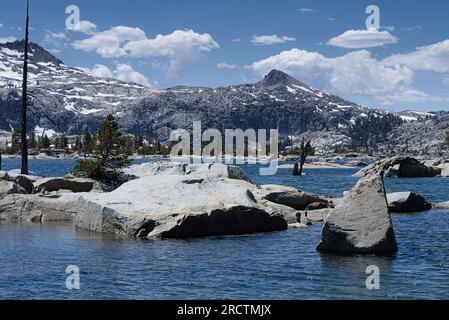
[(359, 39), (7, 39), (109, 43), (270, 39), (434, 57), (123, 72), (356, 73), (86, 27), (180, 47), (224, 65), (99, 70)]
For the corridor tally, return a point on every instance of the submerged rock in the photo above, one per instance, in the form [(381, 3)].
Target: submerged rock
[(406, 202), (361, 222), (444, 205)]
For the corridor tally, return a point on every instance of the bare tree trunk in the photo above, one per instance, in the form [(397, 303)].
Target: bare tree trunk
[(24, 98), (305, 149), (303, 158)]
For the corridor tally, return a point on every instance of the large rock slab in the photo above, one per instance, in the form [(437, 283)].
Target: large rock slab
[(407, 202), (361, 222), (36, 208), (213, 170), (177, 206)]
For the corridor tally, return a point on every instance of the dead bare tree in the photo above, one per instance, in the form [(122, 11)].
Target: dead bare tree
[(306, 149), (24, 141)]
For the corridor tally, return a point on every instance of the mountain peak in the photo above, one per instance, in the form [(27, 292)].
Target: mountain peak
[(37, 53), (276, 78)]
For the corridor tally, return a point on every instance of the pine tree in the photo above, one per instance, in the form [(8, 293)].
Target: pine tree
[(32, 143), (109, 154), (15, 141)]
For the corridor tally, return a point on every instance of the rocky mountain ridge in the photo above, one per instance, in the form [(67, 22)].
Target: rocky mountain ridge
[(70, 101)]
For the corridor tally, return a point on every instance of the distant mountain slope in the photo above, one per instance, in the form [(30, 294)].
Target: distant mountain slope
[(64, 99), (68, 100)]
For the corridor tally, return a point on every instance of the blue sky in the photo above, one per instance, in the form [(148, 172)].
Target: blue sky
[(216, 43)]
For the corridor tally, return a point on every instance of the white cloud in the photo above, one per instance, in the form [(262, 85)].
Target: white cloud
[(180, 47), (123, 72), (54, 38), (270, 39), (434, 57), (356, 73), (446, 80), (7, 39), (237, 40), (224, 65), (109, 43), (126, 73), (359, 39), (308, 10), (99, 70), (1, 25), (87, 27)]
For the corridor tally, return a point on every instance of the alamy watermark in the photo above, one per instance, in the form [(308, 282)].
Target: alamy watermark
[(236, 147), (73, 21), (373, 280), (72, 282)]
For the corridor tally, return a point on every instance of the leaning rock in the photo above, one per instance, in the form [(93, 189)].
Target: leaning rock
[(177, 206), (361, 223), (76, 185), (39, 209), (412, 168), (407, 202), (408, 168)]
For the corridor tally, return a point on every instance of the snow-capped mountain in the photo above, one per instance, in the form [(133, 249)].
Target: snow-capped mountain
[(68, 100), (63, 99)]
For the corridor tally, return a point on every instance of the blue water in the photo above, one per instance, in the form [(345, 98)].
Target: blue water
[(280, 265)]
